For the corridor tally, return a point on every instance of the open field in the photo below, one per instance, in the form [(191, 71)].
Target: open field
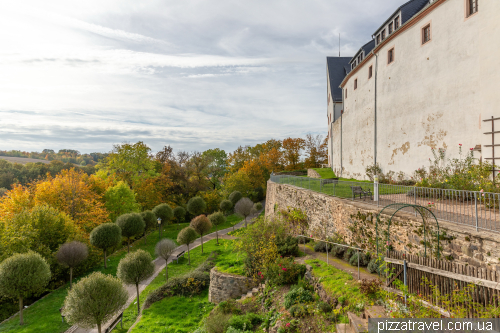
[(23, 160)]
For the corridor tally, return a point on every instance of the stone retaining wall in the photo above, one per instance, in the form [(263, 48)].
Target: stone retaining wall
[(313, 173), (225, 286), (329, 216)]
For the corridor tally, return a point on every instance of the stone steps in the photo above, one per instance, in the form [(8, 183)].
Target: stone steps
[(252, 292), (360, 324)]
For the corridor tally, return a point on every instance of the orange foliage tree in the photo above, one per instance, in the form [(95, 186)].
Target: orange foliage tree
[(291, 151), (316, 150), (71, 192)]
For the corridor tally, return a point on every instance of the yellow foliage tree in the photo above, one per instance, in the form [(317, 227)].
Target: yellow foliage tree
[(71, 192)]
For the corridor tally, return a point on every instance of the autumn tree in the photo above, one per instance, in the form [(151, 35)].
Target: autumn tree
[(120, 199), (201, 224), (131, 163), (238, 181), (316, 151), (217, 166), (291, 151)]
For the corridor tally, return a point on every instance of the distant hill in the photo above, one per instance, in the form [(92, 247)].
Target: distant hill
[(23, 160)]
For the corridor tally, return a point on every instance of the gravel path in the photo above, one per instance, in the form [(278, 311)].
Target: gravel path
[(159, 266)]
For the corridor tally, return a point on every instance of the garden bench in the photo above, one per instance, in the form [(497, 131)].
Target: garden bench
[(181, 254), (334, 181), (359, 190), (118, 319)]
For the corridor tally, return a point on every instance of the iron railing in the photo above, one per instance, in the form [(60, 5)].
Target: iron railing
[(473, 208)]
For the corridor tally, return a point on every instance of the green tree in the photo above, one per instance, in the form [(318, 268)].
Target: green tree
[(149, 221), (120, 199), (217, 219), (201, 224), (217, 166), (244, 207), (164, 249), (71, 255), (257, 206), (226, 206), (105, 237), (196, 206), (134, 268), (164, 212), (130, 162), (94, 300), (23, 275), (132, 225), (235, 196), (179, 214), (187, 236)]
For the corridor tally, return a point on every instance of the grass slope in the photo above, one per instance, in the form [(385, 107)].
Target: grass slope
[(44, 315)]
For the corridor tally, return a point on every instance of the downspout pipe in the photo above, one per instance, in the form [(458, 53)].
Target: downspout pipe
[(375, 113)]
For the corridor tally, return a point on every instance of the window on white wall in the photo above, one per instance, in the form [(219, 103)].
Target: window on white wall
[(391, 28), (390, 56), (472, 7), (355, 84), (370, 72), (383, 34), (426, 34), (396, 23)]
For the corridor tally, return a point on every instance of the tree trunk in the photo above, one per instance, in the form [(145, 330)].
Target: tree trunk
[(70, 278), (128, 245), (21, 319), (166, 268), (189, 257), (99, 328), (201, 243), (138, 305), (105, 260), (245, 221)]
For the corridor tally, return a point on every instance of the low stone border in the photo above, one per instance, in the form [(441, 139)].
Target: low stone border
[(224, 286)]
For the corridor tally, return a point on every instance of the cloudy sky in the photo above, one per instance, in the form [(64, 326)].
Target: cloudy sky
[(194, 74)]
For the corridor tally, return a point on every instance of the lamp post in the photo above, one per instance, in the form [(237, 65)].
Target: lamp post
[(159, 229)]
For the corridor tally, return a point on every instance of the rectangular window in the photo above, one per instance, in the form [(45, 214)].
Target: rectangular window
[(378, 39), (472, 7), (426, 34), (390, 56), (355, 84), (383, 34), (370, 72), (396, 23), (346, 94), (391, 28)]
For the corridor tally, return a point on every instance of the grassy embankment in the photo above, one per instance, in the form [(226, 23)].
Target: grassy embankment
[(44, 316)]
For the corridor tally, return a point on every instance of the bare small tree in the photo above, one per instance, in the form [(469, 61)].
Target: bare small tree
[(217, 219), (244, 207), (187, 236), (201, 224), (71, 255), (164, 249)]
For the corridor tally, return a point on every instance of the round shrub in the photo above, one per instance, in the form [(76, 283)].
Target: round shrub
[(257, 206), (201, 224), (240, 323), (348, 254), (196, 206), (149, 219), (164, 212), (217, 323), (132, 225), (235, 197), (287, 246), (164, 249), (244, 207), (179, 214), (363, 259), (187, 236), (71, 255), (298, 310), (374, 265), (106, 236), (226, 206), (338, 251), (217, 219), (324, 307)]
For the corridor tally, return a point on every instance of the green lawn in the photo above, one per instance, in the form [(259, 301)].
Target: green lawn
[(44, 316), (325, 172), (160, 314)]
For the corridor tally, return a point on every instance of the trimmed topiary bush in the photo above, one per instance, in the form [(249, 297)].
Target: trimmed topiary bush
[(164, 249), (217, 219), (134, 268), (71, 255), (164, 212), (244, 208), (257, 206), (187, 236), (132, 225), (226, 206), (94, 300), (23, 275), (235, 197), (179, 214), (105, 237), (149, 221), (201, 224), (196, 206)]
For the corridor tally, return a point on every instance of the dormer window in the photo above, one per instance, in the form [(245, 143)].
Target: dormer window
[(396, 23), (472, 7), (378, 39), (391, 27), (383, 34)]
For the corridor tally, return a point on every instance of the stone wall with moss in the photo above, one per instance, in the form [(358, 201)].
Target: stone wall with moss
[(354, 221), (225, 286)]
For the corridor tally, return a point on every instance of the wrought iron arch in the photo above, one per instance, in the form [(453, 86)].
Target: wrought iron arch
[(417, 208)]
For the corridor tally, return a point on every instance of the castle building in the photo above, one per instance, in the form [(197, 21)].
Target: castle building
[(428, 78)]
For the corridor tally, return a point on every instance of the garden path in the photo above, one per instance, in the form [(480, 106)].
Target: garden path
[(159, 266), (337, 263)]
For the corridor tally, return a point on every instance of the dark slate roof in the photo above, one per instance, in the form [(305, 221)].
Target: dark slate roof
[(368, 47), (408, 10), (337, 73)]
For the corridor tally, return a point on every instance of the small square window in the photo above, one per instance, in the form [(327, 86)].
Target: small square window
[(396, 23), (346, 94), (391, 25), (378, 39), (472, 7), (370, 72), (390, 56), (355, 84), (426, 34), (383, 34)]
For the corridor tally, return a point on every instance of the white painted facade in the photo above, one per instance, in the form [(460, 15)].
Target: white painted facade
[(433, 95)]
